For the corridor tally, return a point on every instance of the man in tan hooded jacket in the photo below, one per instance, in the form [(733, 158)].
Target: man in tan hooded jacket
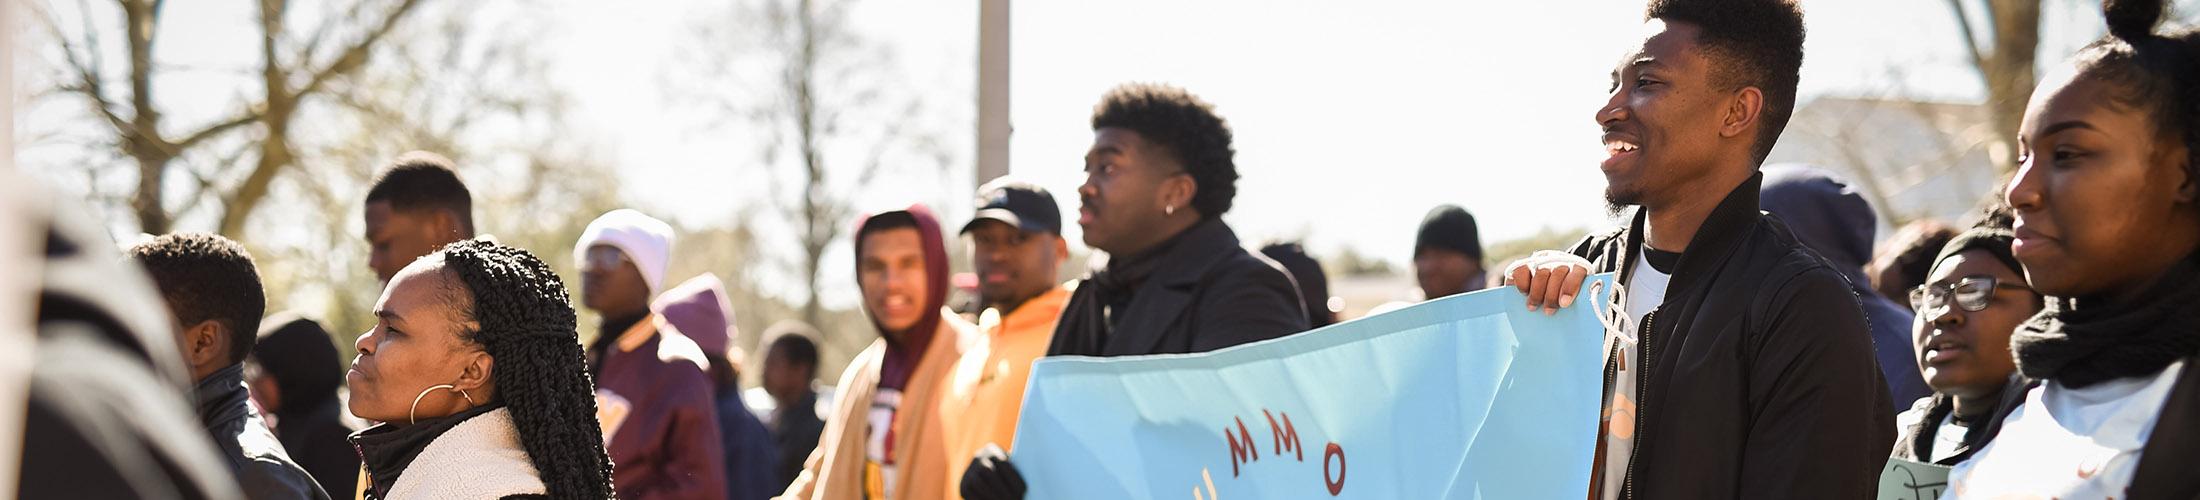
[(885, 439)]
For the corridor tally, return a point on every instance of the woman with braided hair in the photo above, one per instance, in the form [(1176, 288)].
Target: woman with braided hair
[(2107, 203), (474, 368)]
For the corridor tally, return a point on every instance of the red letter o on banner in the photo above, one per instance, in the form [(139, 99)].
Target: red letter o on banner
[(1336, 486)]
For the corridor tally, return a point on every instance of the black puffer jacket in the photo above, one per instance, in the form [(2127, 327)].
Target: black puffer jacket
[(1759, 377)]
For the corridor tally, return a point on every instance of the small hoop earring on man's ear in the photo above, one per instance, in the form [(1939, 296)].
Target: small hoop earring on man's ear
[(413, 415), (1168, 210)]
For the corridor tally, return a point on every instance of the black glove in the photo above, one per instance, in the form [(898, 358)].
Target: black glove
[(991, 477)]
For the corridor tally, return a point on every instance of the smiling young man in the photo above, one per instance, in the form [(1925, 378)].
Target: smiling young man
[(1746, 370), (886, 438)]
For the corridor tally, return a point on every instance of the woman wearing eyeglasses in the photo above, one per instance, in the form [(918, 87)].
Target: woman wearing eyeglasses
[(1972, 299)]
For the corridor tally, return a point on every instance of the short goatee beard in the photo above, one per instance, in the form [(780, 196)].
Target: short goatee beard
[(1616, 202)]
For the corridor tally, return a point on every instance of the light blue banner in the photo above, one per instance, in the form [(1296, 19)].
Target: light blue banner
[(1466, 397)]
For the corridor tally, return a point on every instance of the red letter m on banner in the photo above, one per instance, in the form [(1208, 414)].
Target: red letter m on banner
[(1287, 436), (1242, 449)]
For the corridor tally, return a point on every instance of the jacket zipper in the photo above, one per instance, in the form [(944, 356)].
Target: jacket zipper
[(1642, 405)]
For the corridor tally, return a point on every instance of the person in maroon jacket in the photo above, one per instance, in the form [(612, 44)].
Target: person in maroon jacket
[(653, 395)]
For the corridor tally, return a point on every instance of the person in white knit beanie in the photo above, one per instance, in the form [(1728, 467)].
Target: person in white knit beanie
[(641, 239), (653, 396)]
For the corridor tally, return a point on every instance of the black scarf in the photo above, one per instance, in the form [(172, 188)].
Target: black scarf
[(1917, 441), (2081, 342), (385, 450), (1110, 288)]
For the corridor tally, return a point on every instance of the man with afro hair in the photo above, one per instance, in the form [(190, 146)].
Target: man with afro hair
[(1159, 176)]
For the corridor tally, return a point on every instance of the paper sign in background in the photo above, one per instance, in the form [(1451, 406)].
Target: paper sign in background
[(1471, 396), (1909, 480)]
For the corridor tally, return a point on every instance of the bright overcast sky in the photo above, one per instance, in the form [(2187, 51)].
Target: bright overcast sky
[(1352, 118)]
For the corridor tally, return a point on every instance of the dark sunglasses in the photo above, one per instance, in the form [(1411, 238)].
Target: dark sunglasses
[(1972, 293)]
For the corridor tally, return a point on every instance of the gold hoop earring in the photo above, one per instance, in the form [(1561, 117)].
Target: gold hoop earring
[(413, 415)]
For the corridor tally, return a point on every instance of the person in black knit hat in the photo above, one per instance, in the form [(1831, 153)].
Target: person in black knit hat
[(1307, 273), (294, 373), (1973, 298), (1447, 254)]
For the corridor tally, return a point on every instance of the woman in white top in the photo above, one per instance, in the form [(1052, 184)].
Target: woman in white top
[(2107, 203)]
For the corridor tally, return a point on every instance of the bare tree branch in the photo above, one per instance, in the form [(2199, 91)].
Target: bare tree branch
[(276, 153), (249, 117), (328, 25), (877, 159), (139, 25), (1970, 33), (357, 53), (205, 186), (87, 78), (811, 89)]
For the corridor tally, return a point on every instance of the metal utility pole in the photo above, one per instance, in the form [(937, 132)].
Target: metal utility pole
[(993, 92)]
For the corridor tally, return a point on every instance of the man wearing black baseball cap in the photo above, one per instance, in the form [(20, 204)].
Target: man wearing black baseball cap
[(1017, 250)]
